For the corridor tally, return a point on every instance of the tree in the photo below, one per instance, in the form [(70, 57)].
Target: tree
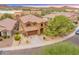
[(6, 16), (17, 37), (59, 26)]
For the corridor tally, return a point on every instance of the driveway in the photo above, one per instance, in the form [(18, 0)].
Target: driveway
[(35, 39)]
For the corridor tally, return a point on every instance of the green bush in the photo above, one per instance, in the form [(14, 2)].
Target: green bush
[(17, 37), (6, 16), (59, 26), (5, 36), (1, 39)]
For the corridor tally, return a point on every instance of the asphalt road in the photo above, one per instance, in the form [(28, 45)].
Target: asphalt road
[(74, 39), (36, 51)]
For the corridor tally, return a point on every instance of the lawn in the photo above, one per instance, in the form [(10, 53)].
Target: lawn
[(63, 48)]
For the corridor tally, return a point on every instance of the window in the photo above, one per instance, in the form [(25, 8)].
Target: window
[(28, 24), (5, 33), (42, 24), (34, 23)]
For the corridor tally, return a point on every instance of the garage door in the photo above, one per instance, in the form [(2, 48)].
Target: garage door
[(33, 32)]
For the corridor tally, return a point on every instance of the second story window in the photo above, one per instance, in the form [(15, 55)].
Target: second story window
[(34, 23), (42, 24), (28, 24)]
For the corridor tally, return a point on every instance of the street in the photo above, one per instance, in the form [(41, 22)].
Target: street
[(74, 39)]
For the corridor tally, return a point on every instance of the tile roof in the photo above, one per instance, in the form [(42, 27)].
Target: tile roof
[(2, 28), (52, 15), (8, 23), (32, 18)]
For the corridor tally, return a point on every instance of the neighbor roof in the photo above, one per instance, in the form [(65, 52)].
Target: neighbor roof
[(32, 18), (2, 28), (52, 15), (8, 23)]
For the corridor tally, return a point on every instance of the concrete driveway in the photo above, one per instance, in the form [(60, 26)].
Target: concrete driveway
[(35, 39)]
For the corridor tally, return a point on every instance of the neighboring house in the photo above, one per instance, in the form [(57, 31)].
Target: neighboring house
[(34, 12), (8, 27), (26, 12), (72, 16), (32, 24)]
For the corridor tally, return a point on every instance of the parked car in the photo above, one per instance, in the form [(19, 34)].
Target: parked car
[(77, 32)]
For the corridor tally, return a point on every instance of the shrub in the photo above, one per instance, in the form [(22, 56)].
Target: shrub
[(59, 26), (17, 37), (1, 39), (5, 36), (6, 16)]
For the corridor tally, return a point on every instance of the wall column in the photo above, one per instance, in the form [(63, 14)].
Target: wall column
[(39, 32)]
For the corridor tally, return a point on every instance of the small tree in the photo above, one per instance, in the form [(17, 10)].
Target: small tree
[(17, 37), (59, 26)]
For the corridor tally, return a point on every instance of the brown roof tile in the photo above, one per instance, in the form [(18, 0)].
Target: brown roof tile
[(8, 23), (52, 15), (32, 18)]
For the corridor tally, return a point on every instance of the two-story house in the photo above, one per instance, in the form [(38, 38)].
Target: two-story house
[(32, 24)]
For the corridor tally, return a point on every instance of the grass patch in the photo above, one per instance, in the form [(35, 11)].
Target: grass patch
[(63, 48)]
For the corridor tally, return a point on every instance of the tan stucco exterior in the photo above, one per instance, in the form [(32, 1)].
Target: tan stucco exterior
[(33, 27)]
